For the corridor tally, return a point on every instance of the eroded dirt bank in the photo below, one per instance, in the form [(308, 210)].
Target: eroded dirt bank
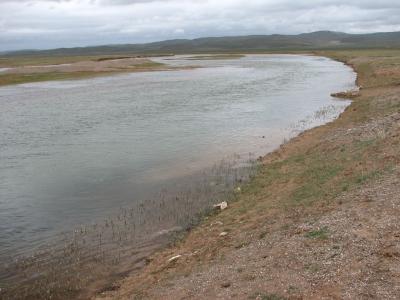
[(320, 220)]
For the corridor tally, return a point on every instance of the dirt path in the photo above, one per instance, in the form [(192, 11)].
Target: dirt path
[(320, 221)]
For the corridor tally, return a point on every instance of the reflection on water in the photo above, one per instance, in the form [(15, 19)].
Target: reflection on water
[(73, 152)]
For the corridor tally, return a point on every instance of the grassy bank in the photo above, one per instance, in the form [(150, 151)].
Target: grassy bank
[(9, 78), (319, 220), (29, 75), (43, 60)]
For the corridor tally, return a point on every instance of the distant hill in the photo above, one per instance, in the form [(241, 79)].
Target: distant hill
[(252, 43)]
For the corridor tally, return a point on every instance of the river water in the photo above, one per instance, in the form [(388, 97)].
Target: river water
[(74, 151)]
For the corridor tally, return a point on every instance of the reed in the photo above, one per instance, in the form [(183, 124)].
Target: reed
[(77, 263)]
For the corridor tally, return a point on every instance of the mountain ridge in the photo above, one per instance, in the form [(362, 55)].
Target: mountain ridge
[(316, 40)]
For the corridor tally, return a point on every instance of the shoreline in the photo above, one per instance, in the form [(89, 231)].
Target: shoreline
[(159, 266), (58, 69), (43, 69), (194, 257), (325, 116)]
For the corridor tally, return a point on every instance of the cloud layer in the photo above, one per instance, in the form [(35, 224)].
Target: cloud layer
[(28, 24)]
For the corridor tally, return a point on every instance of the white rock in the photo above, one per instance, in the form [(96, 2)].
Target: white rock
[(174, 258), (223, 233), (217, 223), (221, 205)]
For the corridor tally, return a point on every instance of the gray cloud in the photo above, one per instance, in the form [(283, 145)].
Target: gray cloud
[(67, 23)]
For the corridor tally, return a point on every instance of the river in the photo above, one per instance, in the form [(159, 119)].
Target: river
[(72, 152)]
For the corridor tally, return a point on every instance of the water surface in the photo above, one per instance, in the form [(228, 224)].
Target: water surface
[(73, 151)]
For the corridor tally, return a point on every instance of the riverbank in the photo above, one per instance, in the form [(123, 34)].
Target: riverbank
[(168, 177), (27, 69), (17, 70), (319, 220)]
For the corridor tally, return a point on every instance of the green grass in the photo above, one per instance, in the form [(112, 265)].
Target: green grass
[(321, 234), (318, 175)]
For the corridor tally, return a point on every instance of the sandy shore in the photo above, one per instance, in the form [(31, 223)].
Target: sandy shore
[(319, 221)]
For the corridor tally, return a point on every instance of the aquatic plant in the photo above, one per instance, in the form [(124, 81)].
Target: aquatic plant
[(77, 262)]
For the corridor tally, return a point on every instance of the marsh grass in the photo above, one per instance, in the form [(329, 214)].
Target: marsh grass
[(77, 263), (321, 116)]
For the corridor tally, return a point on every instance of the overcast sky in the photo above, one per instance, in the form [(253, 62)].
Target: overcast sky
[(67, 23)]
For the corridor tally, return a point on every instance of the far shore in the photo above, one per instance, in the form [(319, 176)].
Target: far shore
[(35, 69), (26, 69)]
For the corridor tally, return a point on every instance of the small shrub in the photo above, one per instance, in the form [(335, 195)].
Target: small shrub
[(321, 234)]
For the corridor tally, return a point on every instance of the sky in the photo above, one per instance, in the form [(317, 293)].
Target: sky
[(45, 24)]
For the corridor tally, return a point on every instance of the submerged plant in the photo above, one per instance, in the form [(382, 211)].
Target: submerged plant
[(77, 261)]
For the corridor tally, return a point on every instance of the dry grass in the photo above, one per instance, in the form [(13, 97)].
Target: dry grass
[(36, 69), (376, 68), (21, 61)]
